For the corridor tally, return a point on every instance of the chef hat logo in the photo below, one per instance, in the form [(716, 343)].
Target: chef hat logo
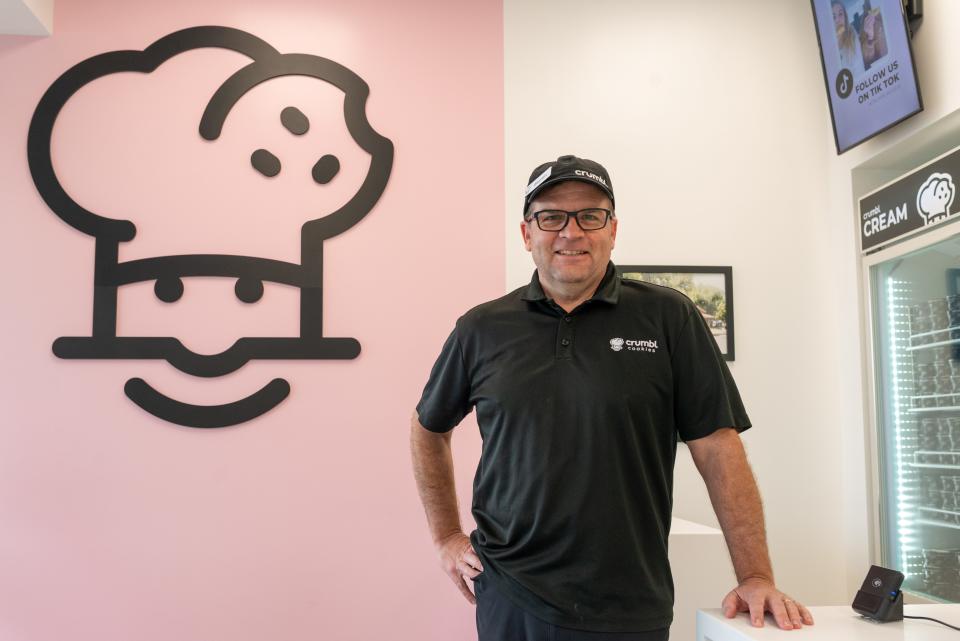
[(935, 197), (250, 272)]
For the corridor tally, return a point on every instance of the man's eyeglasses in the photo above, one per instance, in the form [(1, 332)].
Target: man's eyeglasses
[(556, 219)]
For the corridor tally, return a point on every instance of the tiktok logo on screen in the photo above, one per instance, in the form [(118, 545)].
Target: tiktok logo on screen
[(844, 83), (258, 62)]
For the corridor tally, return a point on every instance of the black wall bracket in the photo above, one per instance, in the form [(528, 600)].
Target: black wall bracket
[(914, 12)]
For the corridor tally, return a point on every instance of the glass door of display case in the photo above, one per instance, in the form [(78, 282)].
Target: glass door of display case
[(915, 317)]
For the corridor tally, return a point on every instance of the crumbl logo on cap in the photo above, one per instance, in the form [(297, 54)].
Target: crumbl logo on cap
[(587, 174), (617, 344), (538, 181)]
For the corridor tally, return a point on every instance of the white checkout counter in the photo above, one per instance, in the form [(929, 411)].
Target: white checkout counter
[(832, 623)]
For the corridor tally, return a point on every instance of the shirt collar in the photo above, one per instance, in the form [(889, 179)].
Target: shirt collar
[(608, 291)]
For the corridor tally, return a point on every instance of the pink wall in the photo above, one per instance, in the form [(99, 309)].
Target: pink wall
[(303, 523)]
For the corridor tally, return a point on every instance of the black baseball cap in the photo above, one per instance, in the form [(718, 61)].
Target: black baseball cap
[(567, 168)]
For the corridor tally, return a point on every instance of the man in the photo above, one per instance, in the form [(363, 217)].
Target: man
[(582, 383)]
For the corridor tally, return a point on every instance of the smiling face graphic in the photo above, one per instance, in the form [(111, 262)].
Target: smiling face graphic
[(353, 181)]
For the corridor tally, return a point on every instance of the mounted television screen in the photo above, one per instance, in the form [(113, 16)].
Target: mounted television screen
[(868, 67)]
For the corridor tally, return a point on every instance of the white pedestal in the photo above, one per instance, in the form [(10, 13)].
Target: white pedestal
[(833, 623), (702, 574)]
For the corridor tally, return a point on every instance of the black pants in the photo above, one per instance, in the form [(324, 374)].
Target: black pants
[(498, 619)]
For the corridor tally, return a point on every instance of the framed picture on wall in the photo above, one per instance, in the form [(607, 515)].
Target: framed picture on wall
[(710, 288)]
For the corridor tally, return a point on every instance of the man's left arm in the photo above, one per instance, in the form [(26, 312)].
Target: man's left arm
[(722, 462)]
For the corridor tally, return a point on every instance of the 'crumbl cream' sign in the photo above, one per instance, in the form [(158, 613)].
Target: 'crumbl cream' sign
[(924, 197)]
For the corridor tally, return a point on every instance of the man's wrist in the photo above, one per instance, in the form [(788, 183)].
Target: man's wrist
[(440, 541)]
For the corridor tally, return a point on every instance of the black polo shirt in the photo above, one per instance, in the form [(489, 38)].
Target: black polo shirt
[(580, 415)]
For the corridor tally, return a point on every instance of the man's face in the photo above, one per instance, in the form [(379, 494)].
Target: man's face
[(570, 256)]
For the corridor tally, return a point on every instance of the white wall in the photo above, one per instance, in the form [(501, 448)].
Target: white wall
[(711, 118)]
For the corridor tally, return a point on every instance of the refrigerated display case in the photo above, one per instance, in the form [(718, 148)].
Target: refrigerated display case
[(915, 294)]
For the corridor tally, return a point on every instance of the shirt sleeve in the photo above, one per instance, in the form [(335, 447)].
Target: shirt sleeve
[(705, 395), (446, 397)]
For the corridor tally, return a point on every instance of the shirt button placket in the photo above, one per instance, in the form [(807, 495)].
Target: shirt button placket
[(565, 337)]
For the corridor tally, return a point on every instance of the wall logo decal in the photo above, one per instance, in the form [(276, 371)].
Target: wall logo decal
[(250, 272)]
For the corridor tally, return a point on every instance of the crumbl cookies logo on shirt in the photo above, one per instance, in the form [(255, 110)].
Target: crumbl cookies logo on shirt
[(617, 344)]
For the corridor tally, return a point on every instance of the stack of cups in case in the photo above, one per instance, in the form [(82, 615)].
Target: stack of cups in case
[(939, 444), (937, 379), (941, 572), (926, 385), (950, 501), (921, 324), (932, 493), (939, 441)]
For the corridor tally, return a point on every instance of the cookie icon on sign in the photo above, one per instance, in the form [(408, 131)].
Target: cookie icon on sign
[(935, 197)]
